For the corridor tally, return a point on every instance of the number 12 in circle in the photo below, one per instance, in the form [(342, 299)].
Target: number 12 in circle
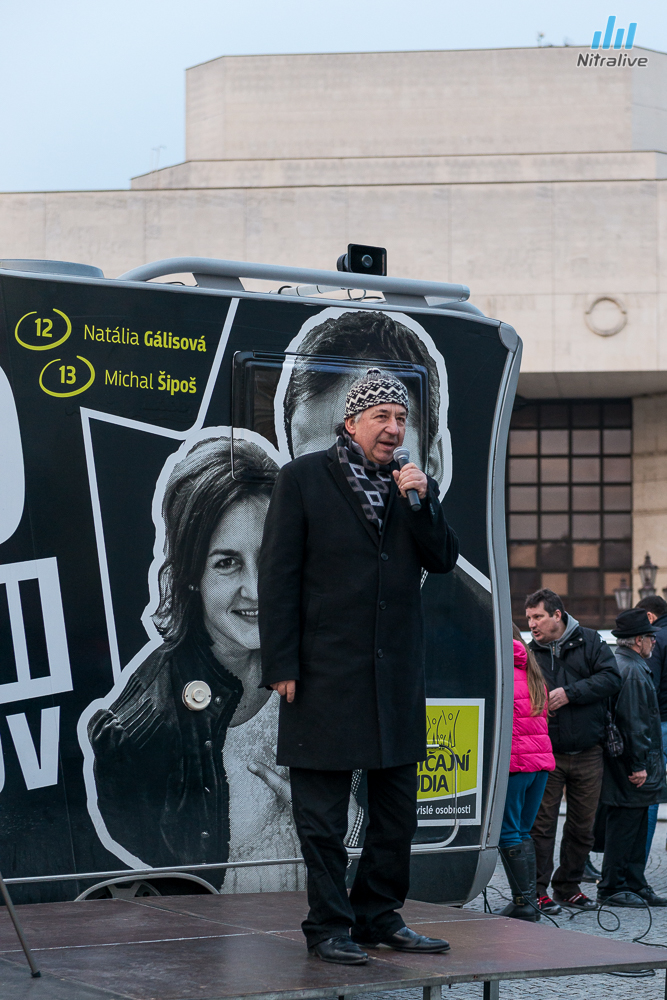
[(48, 325)]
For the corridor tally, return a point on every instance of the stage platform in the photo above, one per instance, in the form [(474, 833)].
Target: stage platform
[(250, 947)]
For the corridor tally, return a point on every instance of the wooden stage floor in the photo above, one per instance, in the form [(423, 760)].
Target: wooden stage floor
[(251, 946)]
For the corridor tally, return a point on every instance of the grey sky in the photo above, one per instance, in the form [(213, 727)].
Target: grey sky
[(90, 88)]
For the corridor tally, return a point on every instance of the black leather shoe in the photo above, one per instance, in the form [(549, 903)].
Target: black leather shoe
[(591, 874), (622, 898), (577, 901), (409, 940), (547, 905), (341, 950), (651, 897)]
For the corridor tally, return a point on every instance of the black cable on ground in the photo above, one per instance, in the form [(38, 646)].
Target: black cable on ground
[(601, 909), (610, 930), (644, 973), (508, 900)]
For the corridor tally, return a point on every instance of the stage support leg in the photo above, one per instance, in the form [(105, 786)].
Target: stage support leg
[(432, 993), (492, 989), (34, 971)]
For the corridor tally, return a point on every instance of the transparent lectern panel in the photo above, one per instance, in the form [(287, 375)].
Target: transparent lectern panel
[(298, 399)]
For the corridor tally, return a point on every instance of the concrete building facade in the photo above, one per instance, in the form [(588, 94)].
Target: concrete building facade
[(539, 181)]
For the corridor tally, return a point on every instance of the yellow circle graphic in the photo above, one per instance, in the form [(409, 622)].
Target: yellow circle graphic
[(43, 347), (74, 392)]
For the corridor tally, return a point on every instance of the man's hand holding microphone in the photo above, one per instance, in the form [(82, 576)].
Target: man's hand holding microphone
[(409, 479)]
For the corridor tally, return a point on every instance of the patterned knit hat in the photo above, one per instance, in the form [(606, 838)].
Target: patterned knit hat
[(372, 389)]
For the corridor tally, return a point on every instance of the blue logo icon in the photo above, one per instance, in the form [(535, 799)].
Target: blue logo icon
[(618, 41)]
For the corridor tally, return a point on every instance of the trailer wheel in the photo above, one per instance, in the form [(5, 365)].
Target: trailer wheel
[(175, 884)]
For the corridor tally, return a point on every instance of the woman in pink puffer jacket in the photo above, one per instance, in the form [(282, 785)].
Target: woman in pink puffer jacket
[(532, 758)]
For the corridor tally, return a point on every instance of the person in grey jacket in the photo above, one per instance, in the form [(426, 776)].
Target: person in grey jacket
[(636, 779)]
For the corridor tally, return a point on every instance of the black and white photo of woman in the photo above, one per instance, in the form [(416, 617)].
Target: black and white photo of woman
[(181, 780)]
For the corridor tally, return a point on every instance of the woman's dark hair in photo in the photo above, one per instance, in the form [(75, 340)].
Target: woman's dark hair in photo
[(363, 336), (199, 491)]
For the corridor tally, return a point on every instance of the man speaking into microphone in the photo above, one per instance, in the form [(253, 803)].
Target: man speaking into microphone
[(340, 622)]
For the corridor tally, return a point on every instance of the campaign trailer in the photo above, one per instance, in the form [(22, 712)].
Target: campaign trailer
[(120, 762)]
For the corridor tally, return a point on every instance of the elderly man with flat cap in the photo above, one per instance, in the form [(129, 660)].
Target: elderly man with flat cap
[(634, 779), (340, 623)]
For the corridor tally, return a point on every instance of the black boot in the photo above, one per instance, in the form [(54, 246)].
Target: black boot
[(529, 848), (519, 865)]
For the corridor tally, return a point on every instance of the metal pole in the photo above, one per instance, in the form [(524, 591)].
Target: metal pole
[(34, 971), (299, 275), (126, 874), (432, 992)]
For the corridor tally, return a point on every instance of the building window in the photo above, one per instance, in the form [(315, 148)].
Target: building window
[(569, 504)]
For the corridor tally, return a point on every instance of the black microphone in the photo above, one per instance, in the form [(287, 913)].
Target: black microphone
[(402, 456)]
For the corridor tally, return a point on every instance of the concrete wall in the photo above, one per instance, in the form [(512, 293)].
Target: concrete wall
[(342, 171), (422, 104), (535, 254)]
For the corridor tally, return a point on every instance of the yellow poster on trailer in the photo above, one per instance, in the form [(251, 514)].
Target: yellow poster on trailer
[(450, 779)]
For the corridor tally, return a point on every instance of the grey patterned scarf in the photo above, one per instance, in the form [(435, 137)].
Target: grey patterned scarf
[(370, 482)]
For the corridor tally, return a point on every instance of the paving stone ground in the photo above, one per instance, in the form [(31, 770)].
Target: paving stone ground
[(632, 924)]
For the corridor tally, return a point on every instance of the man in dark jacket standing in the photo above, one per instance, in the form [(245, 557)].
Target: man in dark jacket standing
[(341, 632), (581, 674), (636, 779), (656, 609)]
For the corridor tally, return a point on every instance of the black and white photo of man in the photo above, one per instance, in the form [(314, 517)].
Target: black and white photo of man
[(309, 401)]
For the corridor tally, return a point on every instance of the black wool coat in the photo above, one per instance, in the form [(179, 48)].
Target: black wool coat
[(658, 665), (637, 715), (340, 612)]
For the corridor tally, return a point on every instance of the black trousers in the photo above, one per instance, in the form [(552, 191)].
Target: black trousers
[(624, 861), (320, 802), (581, 775)]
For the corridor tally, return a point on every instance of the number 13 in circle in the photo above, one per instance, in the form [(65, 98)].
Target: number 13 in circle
[(79, 377)]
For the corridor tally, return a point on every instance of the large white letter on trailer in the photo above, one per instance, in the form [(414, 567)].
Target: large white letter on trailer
[(42, 772), (12, 476), (59, 679)]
